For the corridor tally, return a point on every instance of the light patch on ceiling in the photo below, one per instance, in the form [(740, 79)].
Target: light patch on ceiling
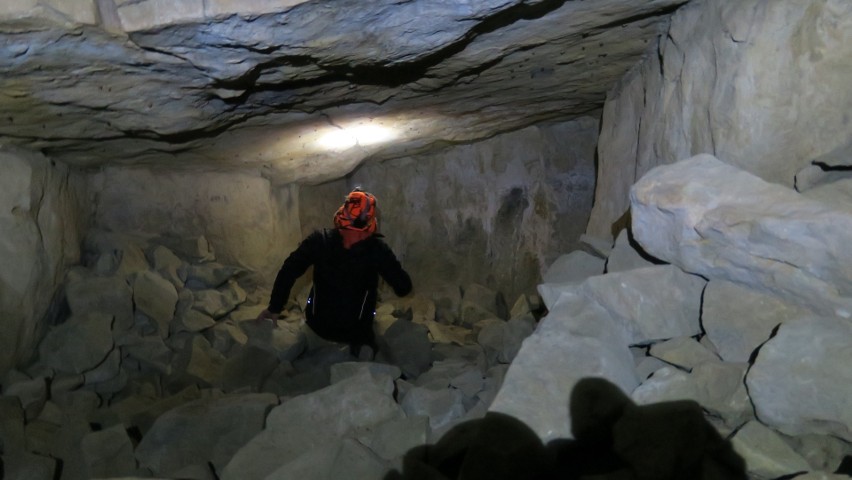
[(343, 138)]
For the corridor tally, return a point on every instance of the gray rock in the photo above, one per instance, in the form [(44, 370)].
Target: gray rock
[(715, 220), (309, 422), (441, 333), (573, 267), (578, 338), (286, 340), (107, 370), (652, 303), (717, 387), (218, 303), (487, 298), (150, 351), (407, 345), (393, 438), (206, 430), (248, 369), (12, 437), (109, 453), (521, 307), (516, 331), (209, 275), (821, 476), (156, 297), (815, 349), (684, 352), (837, 193), (201, 361), (342, 371), (648, 365), (192, 321), (194, 249), (107, 295), (354, 460), (624, 255), (442, 406), (31, 395), (443, 372), (28, 466), (79, 344), (738, 319), (602, 247), (765, 453), (823, 452), (225, 334), (116, 253), (167, 264)]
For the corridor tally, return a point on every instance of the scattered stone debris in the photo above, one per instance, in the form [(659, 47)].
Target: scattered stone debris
[(160, 369)]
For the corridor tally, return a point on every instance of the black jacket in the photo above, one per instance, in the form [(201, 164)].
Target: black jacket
[(342, 302)]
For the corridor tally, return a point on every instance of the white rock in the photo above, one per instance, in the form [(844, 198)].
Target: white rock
[(573, 267), (807, 360), (738, 319), (652, 303), (577, 339), (715, 220)]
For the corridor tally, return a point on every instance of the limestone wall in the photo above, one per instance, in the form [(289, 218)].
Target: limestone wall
[(41, 220), (760, 85), (247, 222), (493, 212)]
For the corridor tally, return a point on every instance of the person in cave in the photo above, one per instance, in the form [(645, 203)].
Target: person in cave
[(347, 261)]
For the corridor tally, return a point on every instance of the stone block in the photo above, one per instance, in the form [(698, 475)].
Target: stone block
[(79, 344), (684, 352), (765, 453)]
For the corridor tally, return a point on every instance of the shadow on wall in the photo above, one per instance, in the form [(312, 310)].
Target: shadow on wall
[(615, 439)]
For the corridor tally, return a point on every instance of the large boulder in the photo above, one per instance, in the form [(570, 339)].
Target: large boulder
[(801, 382), (578, 338), (206, 430), (314, 423), (715, 220), (79, 344)]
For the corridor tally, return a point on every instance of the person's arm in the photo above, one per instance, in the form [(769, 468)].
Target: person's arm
[(391, 270), (294, 267)]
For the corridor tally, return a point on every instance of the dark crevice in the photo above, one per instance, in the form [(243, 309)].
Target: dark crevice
[(662, 12), (833, 168)]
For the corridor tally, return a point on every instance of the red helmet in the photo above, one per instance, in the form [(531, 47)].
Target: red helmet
[(358, 212)]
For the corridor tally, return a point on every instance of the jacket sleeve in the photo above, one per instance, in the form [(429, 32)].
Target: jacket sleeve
[(391, 270), (294, 267)]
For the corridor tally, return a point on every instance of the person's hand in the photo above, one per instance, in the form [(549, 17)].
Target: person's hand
[(267, 315)]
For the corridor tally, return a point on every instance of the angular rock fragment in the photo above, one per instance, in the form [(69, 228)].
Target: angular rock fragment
[(309, 422), (156, 297), (765, 453), (807, 360), (625, 256), (109, 453), (684, 352), (79, 344), (573, 267), (206, 430), (738, 319), (578, 338)]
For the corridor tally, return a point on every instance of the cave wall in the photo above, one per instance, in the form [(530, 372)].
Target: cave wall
[(495, 212), (41, 226), (247, 222), (760, 85)]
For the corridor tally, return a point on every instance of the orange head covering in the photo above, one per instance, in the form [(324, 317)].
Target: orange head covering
[(357, 213)]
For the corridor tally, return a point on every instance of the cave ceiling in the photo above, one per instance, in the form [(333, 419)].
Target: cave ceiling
[(221, 84)]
